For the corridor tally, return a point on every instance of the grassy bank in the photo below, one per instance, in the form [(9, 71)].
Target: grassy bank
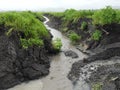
[(89, 25), (28, 26)]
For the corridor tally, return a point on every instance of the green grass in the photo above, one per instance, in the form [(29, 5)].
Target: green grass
[(97, 35), (56, 14), (33, 29), (97, 86), (118, 16), (57, 44), (97, 19), (72, 15), (83, 25), (74, 37), (105, 16), (38, 15)]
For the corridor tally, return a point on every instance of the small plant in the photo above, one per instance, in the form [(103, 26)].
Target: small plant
[(105, 16), (83, 25), (65, 29), (31, 42), (25, 22), (74, 37), (57, 44), (97, 86), (97, 35)]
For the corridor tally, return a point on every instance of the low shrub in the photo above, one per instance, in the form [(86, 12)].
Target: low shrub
[(74, 37), (97, 35), (30, 42), (97, 86), (57, 44), (83, 25), (105, 16), (33, 29)]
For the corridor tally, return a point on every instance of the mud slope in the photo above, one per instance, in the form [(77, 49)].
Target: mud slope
[(17, 64)]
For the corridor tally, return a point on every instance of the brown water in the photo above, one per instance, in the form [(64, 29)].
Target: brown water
[(60, 67)]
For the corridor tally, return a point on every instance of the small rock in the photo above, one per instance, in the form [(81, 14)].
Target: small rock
[(71, 53)]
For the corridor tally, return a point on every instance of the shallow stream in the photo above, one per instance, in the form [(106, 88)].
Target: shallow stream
[(60, 67)]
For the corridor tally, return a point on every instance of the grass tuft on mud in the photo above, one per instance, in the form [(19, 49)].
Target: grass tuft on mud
[(97, 86), (57, 44), (33, 31)]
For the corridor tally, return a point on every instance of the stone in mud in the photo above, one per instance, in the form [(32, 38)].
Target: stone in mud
[(71, 53)]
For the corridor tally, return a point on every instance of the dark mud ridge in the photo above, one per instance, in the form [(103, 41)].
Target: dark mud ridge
[(104, 68), (17, 64), (103, 65)]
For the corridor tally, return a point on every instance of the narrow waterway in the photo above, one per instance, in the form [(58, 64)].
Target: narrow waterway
[(60, 67)]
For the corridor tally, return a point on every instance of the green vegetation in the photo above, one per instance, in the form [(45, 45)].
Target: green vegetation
[(74, 15), (74, 20), (33, 29), (97, 86), (65, 29), (105, 16), (74, 37), (56, 14), (30, 42), (38, 15), (97, 35), (118, 16), (57, 44), (71, 15), (83, 25)]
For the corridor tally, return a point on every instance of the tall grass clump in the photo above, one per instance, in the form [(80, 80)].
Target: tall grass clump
[(97, 86), (97, 35), (105, 16), (57, 44), (118, 16), (83, 25), (34, 31), (74, 37), (38, 15), (56, 14), (74, 15)]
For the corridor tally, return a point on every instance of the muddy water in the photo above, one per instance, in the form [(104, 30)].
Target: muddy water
[(60, 67)]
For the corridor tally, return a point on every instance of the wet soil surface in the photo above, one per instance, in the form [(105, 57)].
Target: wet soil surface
[(101, 67)]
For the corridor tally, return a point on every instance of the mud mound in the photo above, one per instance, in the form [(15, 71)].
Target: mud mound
[(18, 64)]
